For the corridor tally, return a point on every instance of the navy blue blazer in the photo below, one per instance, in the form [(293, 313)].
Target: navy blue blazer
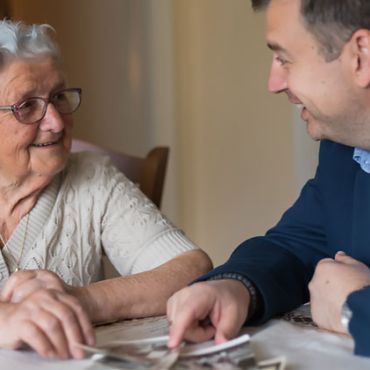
[(332, 213)]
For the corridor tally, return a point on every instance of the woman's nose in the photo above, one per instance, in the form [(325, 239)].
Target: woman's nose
[(53, 120)]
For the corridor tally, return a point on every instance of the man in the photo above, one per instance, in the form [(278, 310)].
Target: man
[(320, 249)]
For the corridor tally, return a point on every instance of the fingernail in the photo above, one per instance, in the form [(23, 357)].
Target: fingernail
[(341, 253)]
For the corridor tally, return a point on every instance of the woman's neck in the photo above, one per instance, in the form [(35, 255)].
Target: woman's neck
[(17, 199)]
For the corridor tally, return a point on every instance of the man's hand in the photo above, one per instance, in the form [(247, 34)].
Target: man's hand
[(49, 321), (330, 286), (208, 309), (25, 282)]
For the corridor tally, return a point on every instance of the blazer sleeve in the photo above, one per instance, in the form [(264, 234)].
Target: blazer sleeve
[(281, 263), (359, 326)]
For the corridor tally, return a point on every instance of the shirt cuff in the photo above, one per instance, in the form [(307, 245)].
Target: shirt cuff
[(248, 285)]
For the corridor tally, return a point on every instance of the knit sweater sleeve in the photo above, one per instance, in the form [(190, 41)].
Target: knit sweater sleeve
[(135, 235)]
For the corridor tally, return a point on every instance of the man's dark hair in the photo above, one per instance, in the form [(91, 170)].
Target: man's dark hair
[(332, 22)]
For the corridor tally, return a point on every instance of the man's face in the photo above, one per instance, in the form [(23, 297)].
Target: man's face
[(329, 100)]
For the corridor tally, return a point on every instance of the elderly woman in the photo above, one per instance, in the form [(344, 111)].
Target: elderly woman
[(60, 211)]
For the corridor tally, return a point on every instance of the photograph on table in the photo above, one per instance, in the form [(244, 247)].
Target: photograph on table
[(153, 353)]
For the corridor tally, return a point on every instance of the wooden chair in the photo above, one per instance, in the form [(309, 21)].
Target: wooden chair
[(148, 172)]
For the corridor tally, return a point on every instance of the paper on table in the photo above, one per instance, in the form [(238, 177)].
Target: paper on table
[(188, 350), (152, 353), (207, 348), (300, 316), (132, 330), (144, 354), (277, 363), (152, 333)]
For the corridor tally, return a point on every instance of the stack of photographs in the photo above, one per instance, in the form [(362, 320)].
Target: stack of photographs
[(153, 354)]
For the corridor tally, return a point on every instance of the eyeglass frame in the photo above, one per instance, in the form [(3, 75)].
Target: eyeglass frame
[(47, 101)]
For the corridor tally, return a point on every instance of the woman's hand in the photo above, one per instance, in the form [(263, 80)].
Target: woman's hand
[(23, 283), (49, 321)]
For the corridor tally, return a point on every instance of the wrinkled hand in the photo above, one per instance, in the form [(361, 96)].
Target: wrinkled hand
[(49, 321), (330, 286), (25, 282), (208, 309)]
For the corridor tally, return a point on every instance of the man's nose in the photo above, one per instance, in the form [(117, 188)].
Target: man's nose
[(278, 81), (53, 120)]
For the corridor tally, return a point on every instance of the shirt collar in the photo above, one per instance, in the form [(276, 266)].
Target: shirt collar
[(362, 157)]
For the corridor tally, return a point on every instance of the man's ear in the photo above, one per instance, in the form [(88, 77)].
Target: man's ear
[(359, 46)]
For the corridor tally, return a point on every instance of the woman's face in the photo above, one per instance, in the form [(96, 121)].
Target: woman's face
[(37, 149)]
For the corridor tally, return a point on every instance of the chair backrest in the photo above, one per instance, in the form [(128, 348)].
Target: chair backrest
[(148, 172)]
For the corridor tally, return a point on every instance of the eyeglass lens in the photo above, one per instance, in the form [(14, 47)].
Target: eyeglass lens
[(33, 109)]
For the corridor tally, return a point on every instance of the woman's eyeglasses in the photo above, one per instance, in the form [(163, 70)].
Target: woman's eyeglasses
[(33, 109)]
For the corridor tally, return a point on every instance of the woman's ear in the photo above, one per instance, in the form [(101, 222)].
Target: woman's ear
[(359, 46)]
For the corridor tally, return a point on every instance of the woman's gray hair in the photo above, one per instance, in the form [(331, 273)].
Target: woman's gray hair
[(19, 40)]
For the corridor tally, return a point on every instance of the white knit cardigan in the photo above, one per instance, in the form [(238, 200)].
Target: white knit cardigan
[(90, 207)]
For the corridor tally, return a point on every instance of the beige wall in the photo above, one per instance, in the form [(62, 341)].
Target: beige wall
[(120, 53), (103, 45), (236, 140), (191, 74)]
